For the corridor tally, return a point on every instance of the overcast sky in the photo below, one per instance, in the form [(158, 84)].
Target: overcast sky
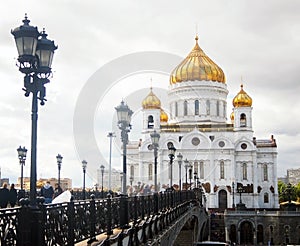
[(256, 40)]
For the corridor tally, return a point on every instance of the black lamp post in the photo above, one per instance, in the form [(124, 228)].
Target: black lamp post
[(240, 191), (35, 58), (155, 140), (179, 159), (186, 165), (172, 151), (84, 165), (59, 161), (195, 179), (124, 114), (190, 175), (233, 205), (102, 173), (22, 157)]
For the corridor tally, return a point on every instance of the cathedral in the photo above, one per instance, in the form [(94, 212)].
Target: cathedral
[(221, 156)]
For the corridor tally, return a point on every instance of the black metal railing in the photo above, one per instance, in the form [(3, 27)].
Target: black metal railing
[(76, 221)]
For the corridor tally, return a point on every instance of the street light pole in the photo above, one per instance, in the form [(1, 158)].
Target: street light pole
[(172, 150), (179, 158), (233, 205), (110, 135), (102, 173), (22, 157), (186, 165), (59, 161), (84, 165), (124, 114), (35, 58), (195, 179), (155, 140)]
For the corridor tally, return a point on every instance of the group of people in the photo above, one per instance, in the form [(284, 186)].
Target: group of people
[(8, 196)]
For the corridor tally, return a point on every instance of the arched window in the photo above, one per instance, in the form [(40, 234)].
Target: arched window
[(185, 108), (150, 122), (176, 109), (224, 109), (244, 171), (150, 171), (201, 174), (218, 108), (196, 107), (243, 120), (222, 170), (207, 107), (196, 167), (265, 172), (132, 171), (266, 198)]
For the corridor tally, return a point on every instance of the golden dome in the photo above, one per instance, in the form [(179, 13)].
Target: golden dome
[(197, 66), (163, 116), (151, 101), (242, 99), (232, 117)]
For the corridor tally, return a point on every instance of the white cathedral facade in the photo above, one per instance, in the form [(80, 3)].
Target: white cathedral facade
[(223, 157)]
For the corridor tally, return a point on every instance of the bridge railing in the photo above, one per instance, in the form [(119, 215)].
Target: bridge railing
[(75, 221)]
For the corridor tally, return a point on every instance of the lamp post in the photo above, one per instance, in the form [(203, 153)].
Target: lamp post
[(195, 179), (155, 140), (179, 159), (110, 135), (84, 165), (131, 180), (186, 165), (22, 157), (190, 175), (59, 161), (240, 191), (124, 114), (102, 173), (233, 205), (172, 151), (35, 54)]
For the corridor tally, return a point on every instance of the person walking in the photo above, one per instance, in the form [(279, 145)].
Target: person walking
[(4, 196), (47, 192), (13, 195), (57, 191)]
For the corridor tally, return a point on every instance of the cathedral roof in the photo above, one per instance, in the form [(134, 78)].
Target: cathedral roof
[(197, 66), (163, 116), (151, 101), (242, 99)]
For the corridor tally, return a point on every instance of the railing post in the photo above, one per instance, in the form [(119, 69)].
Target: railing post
[(123, 211), (23, 230), (135, 212), (155, 197), (71, 222), (143, 207), (93, 220), (109, 217)]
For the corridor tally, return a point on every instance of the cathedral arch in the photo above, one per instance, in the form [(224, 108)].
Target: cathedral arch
[(266, 197), (265, 172), (185, 108), (150, 122), (150, 171), (207, 107), (243, 120), (196, 107), (246, 232), (222, 170), (260, 235), (244, 165), (222, 195)]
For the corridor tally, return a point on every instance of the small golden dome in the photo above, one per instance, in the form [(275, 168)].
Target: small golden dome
[(197, 66), (163, 116), (242, 99), (151, 101), (232, 117)]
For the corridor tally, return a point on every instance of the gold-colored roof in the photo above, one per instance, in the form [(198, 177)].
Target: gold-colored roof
[(197, 66), (242, 99), (232, 116), (163, 116), (151, 101)]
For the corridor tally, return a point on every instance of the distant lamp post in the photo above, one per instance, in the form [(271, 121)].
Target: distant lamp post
[(172, 151), (131, 180), (195, 179), (59, 161), (124, 114), (240, 191), (22, 152), (233, 204), (102, 173), (190, 175), (186, 165), (179, 159), (155, 140), (110, 135), (35, 58), (84, 165)]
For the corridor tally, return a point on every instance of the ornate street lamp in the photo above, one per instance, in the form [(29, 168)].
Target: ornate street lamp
[(35, 58), (172, 151), (155, 140), (186, 165), (22, 157), (124, 114), (59, 161), (179, 159), (102, 173), (84, 165)]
